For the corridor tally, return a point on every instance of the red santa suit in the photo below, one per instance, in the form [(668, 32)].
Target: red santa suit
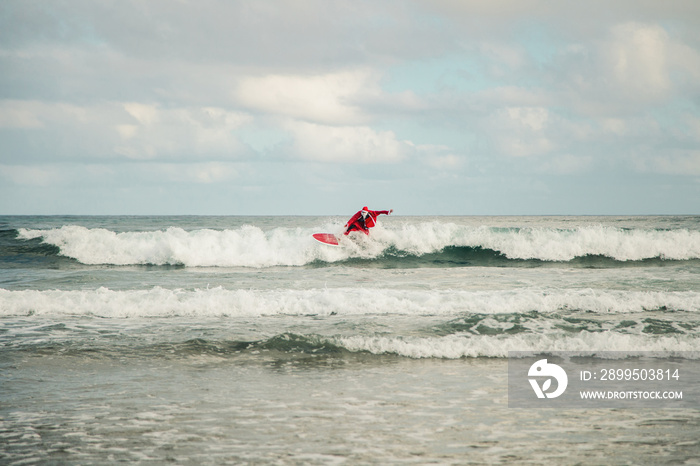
[(364, 219)]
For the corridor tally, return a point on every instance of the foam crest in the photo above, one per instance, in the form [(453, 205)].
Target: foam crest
[(250, 246), (622, 245), (547, 244), (460, 346), (218, 302)]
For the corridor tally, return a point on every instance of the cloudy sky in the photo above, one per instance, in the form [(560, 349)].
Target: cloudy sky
[(317, 107)]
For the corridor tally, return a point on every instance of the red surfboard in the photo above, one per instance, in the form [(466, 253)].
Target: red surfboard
[(327, 238)]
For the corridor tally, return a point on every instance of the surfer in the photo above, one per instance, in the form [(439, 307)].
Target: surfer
[(364, 219)]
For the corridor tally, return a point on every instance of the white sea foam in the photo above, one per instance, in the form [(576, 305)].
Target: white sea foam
[(546, 243), (250, 246), (215, 302), (247, 246), (613, 320), (458, 346)]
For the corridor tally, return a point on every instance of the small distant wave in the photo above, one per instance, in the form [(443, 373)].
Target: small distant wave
[(9, 246), (411, 245), (288, 346), (460, 346), (221, 302), (444, 324)]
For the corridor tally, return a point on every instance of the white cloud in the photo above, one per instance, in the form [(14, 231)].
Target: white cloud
[(646, 62), (634, 66), (171, 97), (346, 144), (445, 162), (526, 146), (529, 117), (19, 114), (636, 57), (214, 172), (178, 131), (503, 59), (679, 163), (202, 173), (133, 130), (30, 175), (499, 96), (693, 124), (520, 131), (45, 175), (328, 98), (144, 114), (616, 126), (37, 114), (127, 131)]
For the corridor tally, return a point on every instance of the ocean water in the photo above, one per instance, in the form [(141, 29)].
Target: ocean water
[(234, 340)]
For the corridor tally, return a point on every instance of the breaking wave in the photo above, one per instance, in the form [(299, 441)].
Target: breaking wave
[(221, 302), (410, 245), (441, 324), (288, 345)]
